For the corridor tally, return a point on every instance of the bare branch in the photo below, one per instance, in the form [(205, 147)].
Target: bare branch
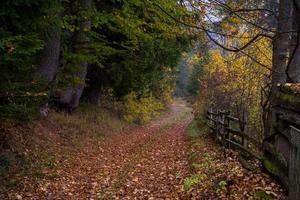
[(254, 10), (256, 61), (208, 32)]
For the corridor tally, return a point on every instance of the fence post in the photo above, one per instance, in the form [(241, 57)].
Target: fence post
[(229, 135), (222, 128), (227, 126), (244, 131), (294, 165), (217, 125), (210, 117)]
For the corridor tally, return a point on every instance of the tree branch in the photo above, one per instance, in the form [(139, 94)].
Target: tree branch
[(207, 32)]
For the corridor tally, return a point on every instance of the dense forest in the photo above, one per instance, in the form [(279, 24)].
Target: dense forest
[(74, 71), (64, 52)]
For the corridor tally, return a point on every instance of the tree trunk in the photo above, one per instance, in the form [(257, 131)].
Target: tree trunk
[(50, 57), (49, 62), (281, 43), (280, 57), (70, 98), (271, 20), (294, 65)]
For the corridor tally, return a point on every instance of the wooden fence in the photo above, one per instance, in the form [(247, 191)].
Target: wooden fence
[(231, 133), (282, 145), (280, 150)]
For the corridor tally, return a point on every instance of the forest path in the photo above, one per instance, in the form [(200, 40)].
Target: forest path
[(146, 162)]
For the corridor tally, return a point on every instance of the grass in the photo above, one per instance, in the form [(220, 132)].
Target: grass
[(35, 149), (201, 156), (90, 118), (193, 130)]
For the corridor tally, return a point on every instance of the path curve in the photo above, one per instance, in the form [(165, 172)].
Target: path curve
[(148, 162)]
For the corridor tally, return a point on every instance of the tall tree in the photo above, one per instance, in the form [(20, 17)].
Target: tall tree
[(281, 44), (293, 68), (29, 41), (52, 33), (70, 98)]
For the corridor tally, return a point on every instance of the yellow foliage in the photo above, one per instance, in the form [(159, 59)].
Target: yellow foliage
[(141, 110), (233, 81)]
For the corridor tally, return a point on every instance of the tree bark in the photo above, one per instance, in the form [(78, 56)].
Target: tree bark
[(281, 43), (294, 65), (50, 57), (49, 62), (280, 58), (70, 98)]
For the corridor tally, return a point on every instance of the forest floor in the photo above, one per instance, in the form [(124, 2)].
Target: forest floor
[(165, 159)]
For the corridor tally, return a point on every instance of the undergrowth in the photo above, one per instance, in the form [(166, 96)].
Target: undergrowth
[(32, 149), (141, 110), (216, 173)]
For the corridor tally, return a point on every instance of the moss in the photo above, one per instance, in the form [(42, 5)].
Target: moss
[(262, 195), (289, 99), (279, 156), (292, 88), (270, 167)]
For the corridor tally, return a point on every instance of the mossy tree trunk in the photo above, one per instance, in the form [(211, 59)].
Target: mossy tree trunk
[(280, 58), (50, 56), (70, 98)]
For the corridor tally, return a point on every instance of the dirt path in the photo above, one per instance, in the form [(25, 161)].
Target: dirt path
[(149, 162)]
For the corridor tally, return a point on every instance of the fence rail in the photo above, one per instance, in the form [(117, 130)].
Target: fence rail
[(280, 149), (229, 133)]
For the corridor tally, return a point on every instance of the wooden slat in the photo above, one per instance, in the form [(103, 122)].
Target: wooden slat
[(219, 122), (212, 113), (234, 132), (294, 164), (232, 118), (224, 112), (241, 134), (289, 117), (243, 148)]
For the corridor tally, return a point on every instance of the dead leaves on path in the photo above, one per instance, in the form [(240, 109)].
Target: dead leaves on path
[(150, 162), (157, 170), (144, 162)]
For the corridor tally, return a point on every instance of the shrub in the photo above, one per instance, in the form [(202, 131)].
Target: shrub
[(140, 110)]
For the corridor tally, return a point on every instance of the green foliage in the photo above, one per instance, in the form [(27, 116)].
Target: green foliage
[(22, 36), (142, 43), (133, 45), (193, 130), (193, 181), (195, 76)]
